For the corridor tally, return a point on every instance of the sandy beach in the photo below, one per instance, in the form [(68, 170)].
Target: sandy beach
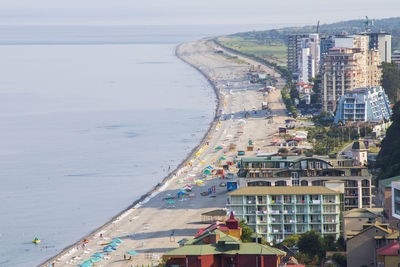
[(146, 227)]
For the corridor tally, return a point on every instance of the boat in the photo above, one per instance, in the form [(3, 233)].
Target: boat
[(36, 240)]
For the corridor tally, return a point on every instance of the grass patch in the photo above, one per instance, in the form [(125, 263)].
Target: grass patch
[(275, 51)]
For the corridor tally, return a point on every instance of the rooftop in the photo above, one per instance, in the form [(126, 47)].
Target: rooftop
[(390, 249), (282, 190), (363, 213), (388, 182)]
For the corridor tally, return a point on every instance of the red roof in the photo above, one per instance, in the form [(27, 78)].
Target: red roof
[(301, 83), (391, 249)]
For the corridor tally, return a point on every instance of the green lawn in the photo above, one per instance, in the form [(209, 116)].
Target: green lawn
[(275, 51)]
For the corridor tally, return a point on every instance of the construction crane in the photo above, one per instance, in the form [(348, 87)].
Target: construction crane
[(317, 27)]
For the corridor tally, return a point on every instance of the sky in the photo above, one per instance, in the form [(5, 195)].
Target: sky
[(184, 12)]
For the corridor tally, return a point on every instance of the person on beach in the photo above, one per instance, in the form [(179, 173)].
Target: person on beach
[(172, 236)]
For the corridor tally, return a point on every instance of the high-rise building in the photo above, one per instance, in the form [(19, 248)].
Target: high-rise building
[(363, 104), (308, 58), (350, 64), (382, 42), (293, 43)]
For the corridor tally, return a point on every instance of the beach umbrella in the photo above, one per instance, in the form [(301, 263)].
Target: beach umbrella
[(117, 240), (107, 249), (114, 244), (207, 171), (132, 252), (95, 259), (219, 148), (222, 158), (87, 263), (171, 202), (209, 167), (98, 255), (275, 140)]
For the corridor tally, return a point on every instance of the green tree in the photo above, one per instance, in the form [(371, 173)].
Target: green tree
[(388, 159), (339, 259), (310, 243), (391, 81), (247, 232), (291, 241)]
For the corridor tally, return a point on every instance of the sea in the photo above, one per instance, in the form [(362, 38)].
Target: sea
[(91, 118)]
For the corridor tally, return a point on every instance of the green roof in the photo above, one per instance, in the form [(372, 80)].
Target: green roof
[(283, 190), (226, 245), (266, 159), (388, 182), (211, 249)]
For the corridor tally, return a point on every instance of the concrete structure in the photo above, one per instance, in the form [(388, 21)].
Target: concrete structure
[(396, 200), (212, 247), (386, 201), (351, 64), (369, 104), (396, 58), (361, 249), (359, 152), (353, 220), (308, 58), (294, 45), (382, 42), (389, 255), (279, 212), (307, 171)]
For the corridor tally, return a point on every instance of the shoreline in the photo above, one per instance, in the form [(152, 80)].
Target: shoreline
[(164, 182)]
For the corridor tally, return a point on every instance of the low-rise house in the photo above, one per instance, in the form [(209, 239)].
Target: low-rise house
[(311, 171), (361, 249), (353, 220), (279, 212), (385, 199), (389, 255), (212, 247)]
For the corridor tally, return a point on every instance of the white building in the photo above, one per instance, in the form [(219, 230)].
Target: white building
[(308, 57), (396, 200), (366, 104)]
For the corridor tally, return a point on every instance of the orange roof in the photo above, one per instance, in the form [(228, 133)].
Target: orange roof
[(390, 249)]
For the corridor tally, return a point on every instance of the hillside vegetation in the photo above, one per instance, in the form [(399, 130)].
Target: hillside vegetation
[(271, 44)]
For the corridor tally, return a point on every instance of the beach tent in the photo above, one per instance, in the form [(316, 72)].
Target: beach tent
[(95, 259), (132, 252), (87, 263), (98, 255), (207, 171)]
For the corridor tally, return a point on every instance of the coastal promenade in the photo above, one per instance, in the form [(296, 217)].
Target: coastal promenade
[(146, 227)]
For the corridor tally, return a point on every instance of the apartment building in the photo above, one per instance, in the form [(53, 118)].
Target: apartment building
[(350, 176), (363, 104), (382, 42), (279, 212), (294, 46), (349, 65)]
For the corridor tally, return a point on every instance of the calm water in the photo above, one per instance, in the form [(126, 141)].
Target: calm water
[(91, 119)]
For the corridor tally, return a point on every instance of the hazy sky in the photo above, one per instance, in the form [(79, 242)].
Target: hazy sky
[(192, 11)]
